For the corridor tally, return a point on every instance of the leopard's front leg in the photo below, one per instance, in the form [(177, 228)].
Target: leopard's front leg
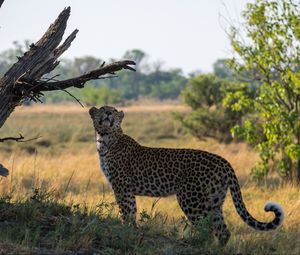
[(127, 206)]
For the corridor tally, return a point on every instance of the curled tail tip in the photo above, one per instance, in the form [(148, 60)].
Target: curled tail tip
[(273, 207), (277, 209), (3, 171)]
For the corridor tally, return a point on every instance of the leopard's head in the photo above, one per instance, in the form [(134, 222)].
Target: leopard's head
[(106, 119)]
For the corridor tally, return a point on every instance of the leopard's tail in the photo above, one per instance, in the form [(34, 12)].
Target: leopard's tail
[(3, 171), (245, 215)]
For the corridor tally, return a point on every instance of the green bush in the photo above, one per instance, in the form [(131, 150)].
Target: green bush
[(100, 95), (268, 52), (209, 117)]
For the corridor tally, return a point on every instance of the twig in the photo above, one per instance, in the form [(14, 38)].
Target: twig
[(51, 78), (71, 95), (19, 139), (31, 139)]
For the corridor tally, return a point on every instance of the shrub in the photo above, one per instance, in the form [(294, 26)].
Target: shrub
[(209, 117), (92, 95)]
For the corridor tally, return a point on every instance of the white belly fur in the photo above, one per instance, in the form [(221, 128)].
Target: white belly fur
[(103, 164), (104, 168)]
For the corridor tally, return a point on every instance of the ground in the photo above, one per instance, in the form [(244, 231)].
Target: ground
[(62, 170)]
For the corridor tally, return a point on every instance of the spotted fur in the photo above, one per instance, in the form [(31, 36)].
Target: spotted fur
[(199, 179)]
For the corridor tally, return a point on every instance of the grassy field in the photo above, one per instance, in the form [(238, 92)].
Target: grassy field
[(56, 200)]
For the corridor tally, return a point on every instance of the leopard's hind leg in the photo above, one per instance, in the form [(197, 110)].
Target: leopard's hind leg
[(199, 202), (194, 201), (219, 227)]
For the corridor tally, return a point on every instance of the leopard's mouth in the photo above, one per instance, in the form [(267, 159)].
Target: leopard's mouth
[(107, 122)]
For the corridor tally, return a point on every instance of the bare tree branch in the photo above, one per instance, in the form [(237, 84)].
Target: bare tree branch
[(24, 79), (37, 86)]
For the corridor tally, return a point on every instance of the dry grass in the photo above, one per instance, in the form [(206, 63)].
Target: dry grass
[(65, 159), (75, 108)]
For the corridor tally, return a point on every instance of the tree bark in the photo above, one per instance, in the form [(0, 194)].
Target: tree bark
[(24, 80)]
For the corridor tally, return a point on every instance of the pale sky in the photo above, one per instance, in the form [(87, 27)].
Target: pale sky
[(188, 34)]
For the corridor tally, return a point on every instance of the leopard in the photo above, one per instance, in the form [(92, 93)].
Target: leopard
[(199, 179)]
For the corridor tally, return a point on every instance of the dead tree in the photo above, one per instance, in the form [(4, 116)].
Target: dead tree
[(25, 79)]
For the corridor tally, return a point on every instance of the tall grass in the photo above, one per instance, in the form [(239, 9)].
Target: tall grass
[(62, 170)]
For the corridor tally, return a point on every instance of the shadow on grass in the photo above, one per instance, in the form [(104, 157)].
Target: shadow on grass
[(43, 224)]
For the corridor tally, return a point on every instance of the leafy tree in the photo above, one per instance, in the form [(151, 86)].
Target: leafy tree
[(222, 69), (100, 96), (85, 64), (134, 79), (138, 56), (146, 82), (166, 84), (209, 118), (8, 57), (203, 91), (270, 55)]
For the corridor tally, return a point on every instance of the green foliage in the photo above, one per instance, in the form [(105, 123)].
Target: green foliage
[(85, 64), (61, 96), (148, 81), (166, 85), (138, 56), (203, 91), (222, 69), (100, 95), (271, 58), (209, 118), (145, 82), (200, 233), (9, 57)]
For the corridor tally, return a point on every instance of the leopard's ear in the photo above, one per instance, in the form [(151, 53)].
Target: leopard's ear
[(92, 111), (121, 114)]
